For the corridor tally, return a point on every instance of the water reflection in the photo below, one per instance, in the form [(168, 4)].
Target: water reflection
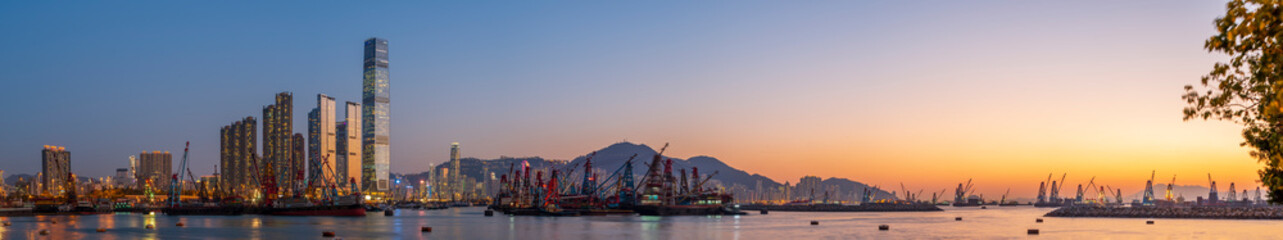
[(468, 223)]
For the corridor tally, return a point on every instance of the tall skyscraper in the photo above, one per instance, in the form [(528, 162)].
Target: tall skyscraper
[(348, 145), (239, 150), (375, 107), (55, 167), (133, 165), (456, 180), (278, 146), (321, 133), (156, 166)]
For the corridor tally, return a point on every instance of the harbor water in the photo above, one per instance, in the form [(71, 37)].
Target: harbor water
[(470, 223)]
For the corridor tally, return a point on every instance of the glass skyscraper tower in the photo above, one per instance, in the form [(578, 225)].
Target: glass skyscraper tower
[(375, 108)]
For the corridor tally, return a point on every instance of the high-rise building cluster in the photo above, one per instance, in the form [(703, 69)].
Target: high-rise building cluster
[(332, 152), (237, 155), (278, 141)]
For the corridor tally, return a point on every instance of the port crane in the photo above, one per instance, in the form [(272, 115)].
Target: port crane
[(1003, 200), (908, 196), (1118, 193), (175, 186), (200, 192), (960, 195), (1169, 188), (935, 197), (1042, 189), (266, 180), (1211, 196), (1055, 189), (1148, 198), (328, 185)]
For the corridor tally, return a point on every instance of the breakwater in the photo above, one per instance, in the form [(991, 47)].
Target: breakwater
[(1204, 212), (871, 207)]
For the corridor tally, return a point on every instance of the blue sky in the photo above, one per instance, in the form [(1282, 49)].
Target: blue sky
[(784, 88)]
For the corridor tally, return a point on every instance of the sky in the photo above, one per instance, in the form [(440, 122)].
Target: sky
[(924, 93)]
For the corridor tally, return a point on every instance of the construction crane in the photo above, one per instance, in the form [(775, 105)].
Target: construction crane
[(1118, 193), (266, 180), (653, 167), (603, 186), (1003, 200), (960, 195), (1212, 196), (175, 187), (908, 196), (935, 197), (1109, 191), (329, 188), (589, 185), (201, 190), (1055, 189), (1148, 196), (1042, 189)]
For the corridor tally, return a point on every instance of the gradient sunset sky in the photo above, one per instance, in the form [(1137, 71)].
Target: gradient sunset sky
[(928, 93)]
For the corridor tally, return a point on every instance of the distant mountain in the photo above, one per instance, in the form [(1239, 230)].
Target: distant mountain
[(610, 160), (13, 178)]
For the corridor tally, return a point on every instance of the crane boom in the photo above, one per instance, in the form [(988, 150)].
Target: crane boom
[(175, 186)]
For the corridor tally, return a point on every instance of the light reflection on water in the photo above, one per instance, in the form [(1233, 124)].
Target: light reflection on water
[(469, 223)]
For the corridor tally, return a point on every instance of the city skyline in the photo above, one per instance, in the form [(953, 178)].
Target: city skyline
[(993, 103)]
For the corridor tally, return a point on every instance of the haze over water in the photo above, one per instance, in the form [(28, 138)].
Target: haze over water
[(469, 223)]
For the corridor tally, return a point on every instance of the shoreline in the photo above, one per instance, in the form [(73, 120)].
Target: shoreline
[(872, 207), (1193, 212)]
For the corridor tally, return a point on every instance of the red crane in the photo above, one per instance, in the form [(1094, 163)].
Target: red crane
[(267, 180)]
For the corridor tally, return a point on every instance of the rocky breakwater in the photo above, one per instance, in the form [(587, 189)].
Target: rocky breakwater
[(1205, 212), (871, 207)]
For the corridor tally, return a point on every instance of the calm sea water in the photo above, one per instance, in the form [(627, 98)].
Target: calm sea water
[(469, 223)]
